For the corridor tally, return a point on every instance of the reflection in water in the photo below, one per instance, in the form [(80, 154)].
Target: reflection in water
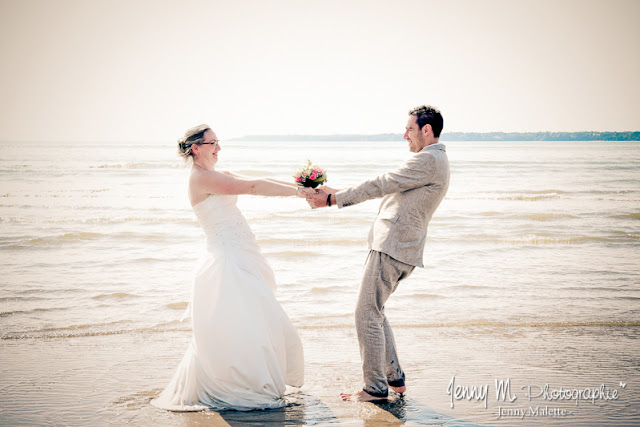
[(301, 409), (407, 409)]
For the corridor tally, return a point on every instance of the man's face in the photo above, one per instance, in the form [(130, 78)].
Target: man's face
[(414, 135)]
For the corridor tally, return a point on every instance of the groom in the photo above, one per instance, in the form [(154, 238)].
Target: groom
[(410, 196)]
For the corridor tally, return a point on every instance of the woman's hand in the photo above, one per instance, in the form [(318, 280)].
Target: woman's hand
[(303, 192)]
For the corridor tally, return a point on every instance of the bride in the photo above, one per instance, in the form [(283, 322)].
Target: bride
[(244, 349)]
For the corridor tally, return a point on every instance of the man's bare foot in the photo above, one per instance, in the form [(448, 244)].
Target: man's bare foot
[(361, 396), (400, 390)]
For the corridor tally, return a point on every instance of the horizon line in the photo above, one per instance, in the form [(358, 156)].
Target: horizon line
[(635, 134)]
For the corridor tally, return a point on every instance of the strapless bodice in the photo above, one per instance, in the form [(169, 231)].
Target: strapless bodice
[(222, 221)]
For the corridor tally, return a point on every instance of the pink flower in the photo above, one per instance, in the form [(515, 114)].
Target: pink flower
[(309, 173)]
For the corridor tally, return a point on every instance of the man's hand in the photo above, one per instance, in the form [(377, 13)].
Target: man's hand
[(317, 199), (328, 190)]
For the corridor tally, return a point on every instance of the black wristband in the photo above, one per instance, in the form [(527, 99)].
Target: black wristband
[(329, 200)]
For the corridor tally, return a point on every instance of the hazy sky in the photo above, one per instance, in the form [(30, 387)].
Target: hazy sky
[(147, 70)]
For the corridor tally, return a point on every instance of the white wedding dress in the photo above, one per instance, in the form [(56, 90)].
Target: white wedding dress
[(244, 348)]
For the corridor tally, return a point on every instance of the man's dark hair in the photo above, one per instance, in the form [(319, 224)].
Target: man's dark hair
[(427, 114)]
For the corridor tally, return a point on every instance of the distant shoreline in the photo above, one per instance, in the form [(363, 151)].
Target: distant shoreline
[(459, 136)]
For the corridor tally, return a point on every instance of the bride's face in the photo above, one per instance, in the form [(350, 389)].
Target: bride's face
[(210, 151)]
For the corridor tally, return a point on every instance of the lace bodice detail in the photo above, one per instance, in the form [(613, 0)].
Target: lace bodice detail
[(222, 221)]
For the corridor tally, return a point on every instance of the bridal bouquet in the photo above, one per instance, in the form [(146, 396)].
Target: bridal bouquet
[(310, 176)]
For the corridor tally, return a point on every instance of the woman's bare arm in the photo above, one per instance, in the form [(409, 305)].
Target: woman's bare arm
[(290, 184), (279, 181), (213, 182)]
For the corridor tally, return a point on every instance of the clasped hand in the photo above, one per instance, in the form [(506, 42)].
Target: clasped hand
[(317, 198)]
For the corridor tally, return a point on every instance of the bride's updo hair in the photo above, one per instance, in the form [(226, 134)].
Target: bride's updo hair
[(195, 135)]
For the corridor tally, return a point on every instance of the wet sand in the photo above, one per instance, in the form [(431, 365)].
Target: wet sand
[(109, 379)]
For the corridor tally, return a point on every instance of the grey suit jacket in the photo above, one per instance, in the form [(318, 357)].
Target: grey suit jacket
[(411, 195)]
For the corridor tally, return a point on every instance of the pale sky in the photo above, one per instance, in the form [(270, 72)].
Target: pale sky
[(76, 70)]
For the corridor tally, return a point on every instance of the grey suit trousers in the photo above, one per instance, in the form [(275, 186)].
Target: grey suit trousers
[(380, 365)]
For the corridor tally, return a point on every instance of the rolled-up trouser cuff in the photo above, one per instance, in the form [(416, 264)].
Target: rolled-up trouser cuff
[(397, 383), (374, 394)]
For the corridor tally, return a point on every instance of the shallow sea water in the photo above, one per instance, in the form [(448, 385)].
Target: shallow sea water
[(531, 273)]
